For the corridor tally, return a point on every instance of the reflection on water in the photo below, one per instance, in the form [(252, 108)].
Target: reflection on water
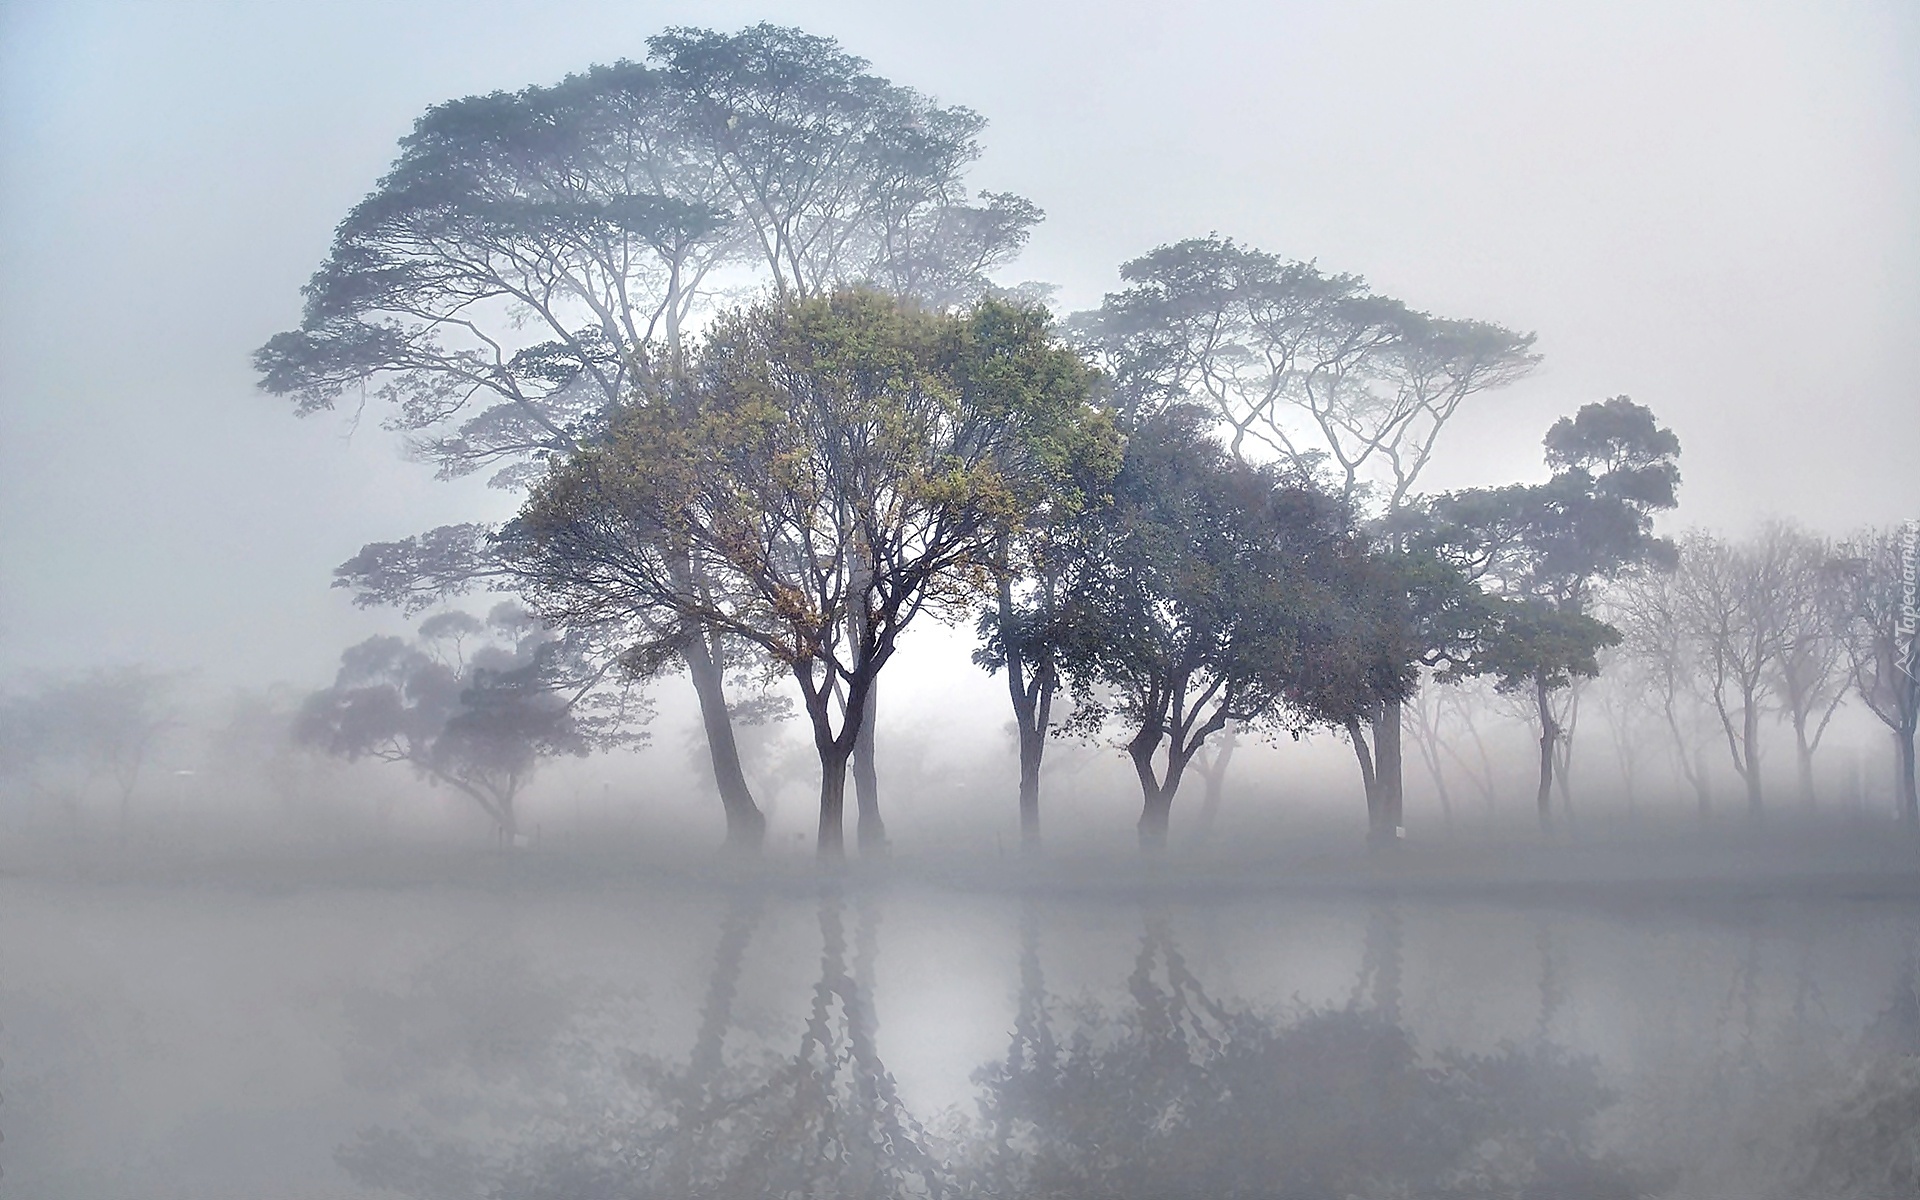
[(855, 1039)]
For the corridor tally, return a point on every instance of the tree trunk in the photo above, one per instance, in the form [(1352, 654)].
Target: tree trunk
[(1387, 774), (1909, 795), (1750, 755), (869, 831), (1158, 808), (1154, 817), (833, 796), (1033, 745), (746, 824), (1703, 785), (1388, 778), (1368, 778), (1543, 799), (1803, 760), (1157, 800)]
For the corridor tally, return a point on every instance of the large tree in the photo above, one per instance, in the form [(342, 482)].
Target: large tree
[(1318, 371), (1039, 568), (850, 454), (1545, 548), (1218, 592), (533, 256)]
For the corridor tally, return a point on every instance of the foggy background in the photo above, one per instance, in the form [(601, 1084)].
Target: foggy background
[(1706, 206), (1709, 207)]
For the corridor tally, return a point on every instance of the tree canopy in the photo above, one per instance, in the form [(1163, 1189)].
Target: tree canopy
[(1216, 592), (475, 704), (847, 455)]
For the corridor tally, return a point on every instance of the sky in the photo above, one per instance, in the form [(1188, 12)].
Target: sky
[(1713, 207)]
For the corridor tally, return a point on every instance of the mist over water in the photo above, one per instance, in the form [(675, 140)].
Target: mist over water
[(1064, 601), (1582, 1024)]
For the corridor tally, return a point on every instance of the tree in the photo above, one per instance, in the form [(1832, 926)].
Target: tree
[(1545, 548), (846, 454), (1214, 592), (474, 704), (837, 176), (1318, 371), (103, 722), (1883, 652), (1038, 568), (1810, 659), (1649, 608), (1731, 609), (533, 256)]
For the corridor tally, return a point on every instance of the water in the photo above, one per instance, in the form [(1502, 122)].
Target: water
[(543, 1027)]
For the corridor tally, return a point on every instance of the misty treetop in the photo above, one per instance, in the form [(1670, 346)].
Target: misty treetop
[(1315, 369), (528, 252)]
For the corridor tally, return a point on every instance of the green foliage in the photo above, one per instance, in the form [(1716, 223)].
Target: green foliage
[(1543, 547), (1211, 591), (820, 455)]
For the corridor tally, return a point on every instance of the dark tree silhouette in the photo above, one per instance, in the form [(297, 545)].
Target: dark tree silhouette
[(1318, 371), (1216, 592), (1545, 547)]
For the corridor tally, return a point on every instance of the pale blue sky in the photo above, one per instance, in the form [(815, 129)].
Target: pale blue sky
[(1712, 207)]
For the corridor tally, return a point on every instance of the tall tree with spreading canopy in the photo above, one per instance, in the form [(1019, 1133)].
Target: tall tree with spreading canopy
[(533, 256), (1039, 567), (1315, 370), (1545, 548), (851, 453), (1215, 591)]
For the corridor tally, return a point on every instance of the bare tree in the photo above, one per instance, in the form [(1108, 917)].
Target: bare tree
[(1810, 664), (1726, 598), (1423, 714), (1883, 653), (1649, 610)]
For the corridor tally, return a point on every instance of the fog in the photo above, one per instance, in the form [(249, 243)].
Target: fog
[(383, 811)]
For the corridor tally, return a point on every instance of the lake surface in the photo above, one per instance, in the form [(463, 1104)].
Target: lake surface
[(556, 1027)]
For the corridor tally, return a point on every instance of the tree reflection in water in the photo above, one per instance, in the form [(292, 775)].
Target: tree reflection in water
[(1170, 1093), (825, 1121), (1177, 1094)]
